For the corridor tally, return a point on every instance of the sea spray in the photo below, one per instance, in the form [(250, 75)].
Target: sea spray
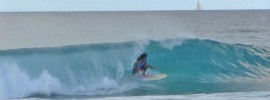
[(15, 83)]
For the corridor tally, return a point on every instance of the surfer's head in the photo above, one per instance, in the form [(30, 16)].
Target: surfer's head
[(142, 56)]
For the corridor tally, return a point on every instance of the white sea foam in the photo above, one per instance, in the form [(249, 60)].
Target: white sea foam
[(217, 96), (214, 96), (170, 44), (15, 83)]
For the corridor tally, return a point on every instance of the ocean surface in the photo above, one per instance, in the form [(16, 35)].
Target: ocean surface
[(234, 65)]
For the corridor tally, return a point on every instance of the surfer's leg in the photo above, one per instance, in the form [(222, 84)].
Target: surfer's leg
[(143, 72), (134, 71), (144, 68)]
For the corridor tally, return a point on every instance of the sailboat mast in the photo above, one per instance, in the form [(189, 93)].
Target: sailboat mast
[(198, 6)]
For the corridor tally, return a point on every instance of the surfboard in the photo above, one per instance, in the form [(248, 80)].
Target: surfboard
[(152, 77)]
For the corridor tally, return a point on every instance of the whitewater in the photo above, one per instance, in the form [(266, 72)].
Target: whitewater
[(216, 55)]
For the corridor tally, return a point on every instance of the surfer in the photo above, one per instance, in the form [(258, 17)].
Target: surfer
[(141, 65)]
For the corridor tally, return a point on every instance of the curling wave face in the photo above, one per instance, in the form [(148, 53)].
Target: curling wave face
[(192, 65)]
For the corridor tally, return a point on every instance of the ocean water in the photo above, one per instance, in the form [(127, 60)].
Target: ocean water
[(235, 65)]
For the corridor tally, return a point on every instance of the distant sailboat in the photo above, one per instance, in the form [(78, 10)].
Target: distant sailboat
[(198, 6)]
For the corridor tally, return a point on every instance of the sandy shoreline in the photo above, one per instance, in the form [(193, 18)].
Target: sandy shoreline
[(52, 29)]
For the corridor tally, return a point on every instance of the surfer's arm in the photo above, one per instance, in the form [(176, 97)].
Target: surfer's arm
[(151, 66)]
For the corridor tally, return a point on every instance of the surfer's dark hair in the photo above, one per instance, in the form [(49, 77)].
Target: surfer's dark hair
[(142, 56)]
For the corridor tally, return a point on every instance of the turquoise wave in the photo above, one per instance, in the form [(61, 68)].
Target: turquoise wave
[(192, 66)]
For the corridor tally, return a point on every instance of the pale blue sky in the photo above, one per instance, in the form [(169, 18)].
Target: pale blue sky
[(115, 5)]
